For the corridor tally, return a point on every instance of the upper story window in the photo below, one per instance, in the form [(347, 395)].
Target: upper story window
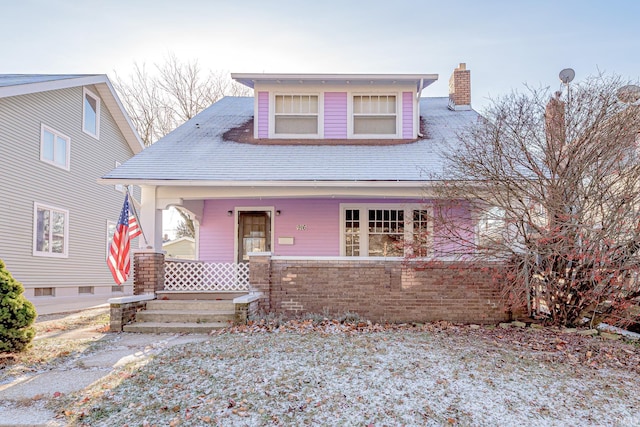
[(54, 147), (296, 115), (90, 113), (50, 231), (374, 115)]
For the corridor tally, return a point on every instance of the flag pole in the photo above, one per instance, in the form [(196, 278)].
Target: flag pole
[(135, 214)]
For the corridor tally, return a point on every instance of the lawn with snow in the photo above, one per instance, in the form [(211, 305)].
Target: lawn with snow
[(415, 378)]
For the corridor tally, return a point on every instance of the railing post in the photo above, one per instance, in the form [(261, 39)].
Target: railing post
[(148, 271)]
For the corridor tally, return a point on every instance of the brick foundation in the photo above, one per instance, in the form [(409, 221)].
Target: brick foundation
[(379, 290)]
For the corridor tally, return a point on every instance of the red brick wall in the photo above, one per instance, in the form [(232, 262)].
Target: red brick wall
[(383, 290), (148, 275)]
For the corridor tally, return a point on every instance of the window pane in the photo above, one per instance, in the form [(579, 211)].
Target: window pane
[(61, 151), (90, 110), (47, 146), (374, 125), (57, 235), (352, 232), (42, 234), (296, 125), (386, 245)]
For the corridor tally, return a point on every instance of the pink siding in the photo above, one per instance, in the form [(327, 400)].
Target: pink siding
[(335, 115), (407, 115), (263, 114), (313, 223)]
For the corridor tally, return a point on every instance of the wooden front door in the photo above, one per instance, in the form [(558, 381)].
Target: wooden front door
[(254, 233)]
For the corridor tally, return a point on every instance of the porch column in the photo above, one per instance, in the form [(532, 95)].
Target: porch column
[(150, 219), (260, 277), (148, 271)]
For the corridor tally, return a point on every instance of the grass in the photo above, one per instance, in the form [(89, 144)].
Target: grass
[(56, 342)]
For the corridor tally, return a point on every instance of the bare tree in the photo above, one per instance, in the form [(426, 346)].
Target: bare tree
[(175, 92), (550, 186), (185, 227)]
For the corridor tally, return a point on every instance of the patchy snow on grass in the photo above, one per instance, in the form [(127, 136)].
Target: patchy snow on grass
[(372, 378)]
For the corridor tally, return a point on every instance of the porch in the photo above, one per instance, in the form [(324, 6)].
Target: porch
[(377, 289)]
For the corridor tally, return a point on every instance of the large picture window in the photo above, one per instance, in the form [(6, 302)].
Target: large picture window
[(54, 147), (374, 115), (296, 115), (386, 231), (50, 231)]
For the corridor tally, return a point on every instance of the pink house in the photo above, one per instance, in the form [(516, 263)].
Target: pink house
[(317, 183)]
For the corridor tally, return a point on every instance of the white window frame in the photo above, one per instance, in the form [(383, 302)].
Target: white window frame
[(351, 116), (49, 253), (319, 115), (364, 208), (111, 225), (86, 92), (118, 187), (67, 165)]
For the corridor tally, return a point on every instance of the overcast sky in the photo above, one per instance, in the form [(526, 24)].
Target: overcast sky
[(505, 43)]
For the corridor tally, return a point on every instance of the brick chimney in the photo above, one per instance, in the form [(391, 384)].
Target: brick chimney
[(460, 88)]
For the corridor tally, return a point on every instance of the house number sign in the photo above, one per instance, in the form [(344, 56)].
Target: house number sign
[(301, 227)]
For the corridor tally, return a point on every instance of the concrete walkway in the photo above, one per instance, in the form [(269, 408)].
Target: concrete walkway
[(23, 400)]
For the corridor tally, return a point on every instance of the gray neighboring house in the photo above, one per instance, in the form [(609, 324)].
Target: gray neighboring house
[(58, 135)]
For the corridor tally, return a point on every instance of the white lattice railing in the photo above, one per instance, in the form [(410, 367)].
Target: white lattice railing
[(205, 276)]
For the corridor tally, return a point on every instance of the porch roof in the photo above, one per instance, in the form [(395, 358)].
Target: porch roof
[(197, 152)]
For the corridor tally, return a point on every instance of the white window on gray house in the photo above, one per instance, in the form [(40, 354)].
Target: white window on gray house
[(90, 113), (50, 231), (296, 115), (386, 231), (374, 115), (54, 147), (111, 230)]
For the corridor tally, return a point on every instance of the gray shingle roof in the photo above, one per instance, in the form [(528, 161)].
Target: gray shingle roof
[(22, 79), (196, 151)]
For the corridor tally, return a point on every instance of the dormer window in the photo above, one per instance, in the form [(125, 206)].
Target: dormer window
[(374, 115), (296, 115)]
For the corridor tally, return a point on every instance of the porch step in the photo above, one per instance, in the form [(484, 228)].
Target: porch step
[(198, 295), (191, 305), (183, 316), (174, 327), (189, 316)]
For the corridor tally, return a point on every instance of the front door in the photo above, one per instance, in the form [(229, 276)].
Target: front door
[(254, 233)]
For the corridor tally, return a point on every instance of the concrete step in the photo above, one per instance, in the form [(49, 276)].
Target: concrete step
[(199, 295), (174, 328), (190, 305), (166, 316)]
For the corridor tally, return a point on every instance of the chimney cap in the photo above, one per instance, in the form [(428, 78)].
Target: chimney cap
[(463, 66)]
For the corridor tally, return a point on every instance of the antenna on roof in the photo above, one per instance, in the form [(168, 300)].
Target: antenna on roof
[(629, 94)]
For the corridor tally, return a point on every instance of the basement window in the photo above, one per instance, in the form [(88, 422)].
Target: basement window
[(43, 292)]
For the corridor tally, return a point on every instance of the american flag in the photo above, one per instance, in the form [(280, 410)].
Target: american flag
[(127, 228)]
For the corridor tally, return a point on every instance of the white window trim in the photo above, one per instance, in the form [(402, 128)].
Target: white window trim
[(67, 165), (272, 116), (86, 92), (350, 115), (364, 231), (118, 187), (65, 254), (109, 237)]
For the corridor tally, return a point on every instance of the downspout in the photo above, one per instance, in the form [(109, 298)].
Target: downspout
[(420, 87)]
